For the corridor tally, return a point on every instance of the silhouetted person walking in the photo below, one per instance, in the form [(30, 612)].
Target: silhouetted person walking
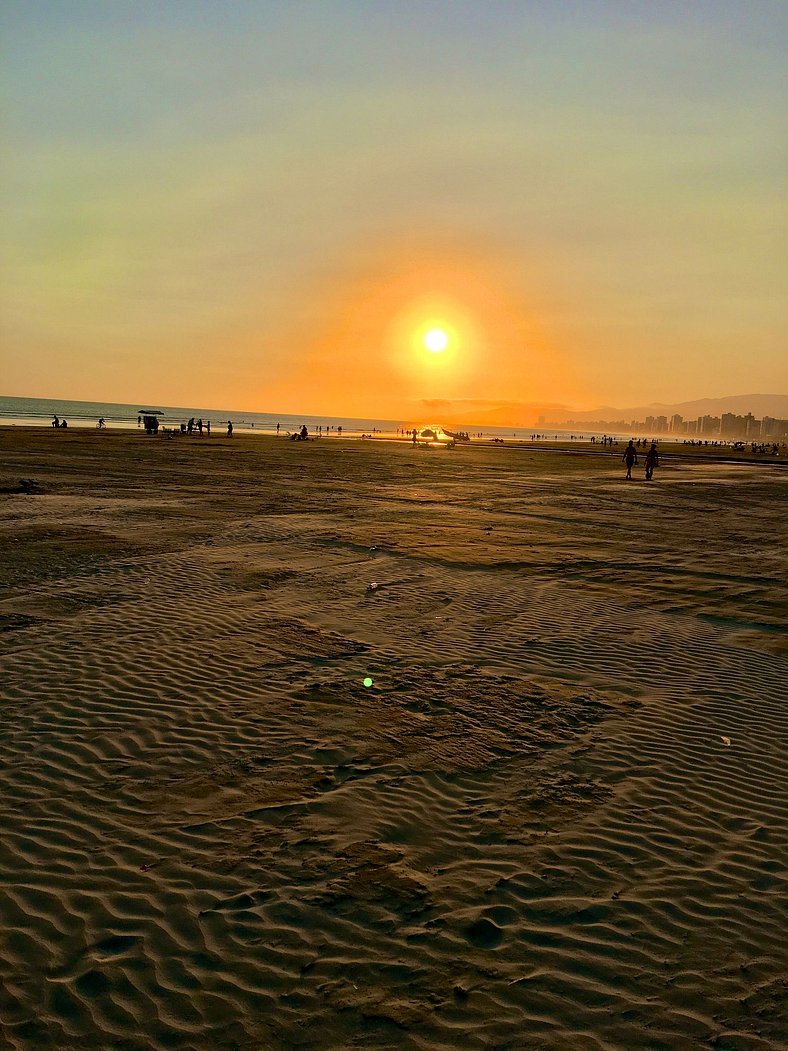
[(651, 461), (229, 428), (630, 458)]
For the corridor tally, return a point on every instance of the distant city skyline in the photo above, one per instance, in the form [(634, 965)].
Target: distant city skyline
[(728, 426), (269, 205)]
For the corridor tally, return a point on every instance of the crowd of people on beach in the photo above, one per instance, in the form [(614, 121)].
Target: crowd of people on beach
[(762, 448), (197, 426), (201, 428), (756, 448)]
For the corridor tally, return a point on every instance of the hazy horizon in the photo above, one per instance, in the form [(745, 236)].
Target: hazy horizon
[(272, 205), (466, 414)]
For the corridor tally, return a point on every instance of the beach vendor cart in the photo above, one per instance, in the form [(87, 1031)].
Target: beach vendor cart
[(150, 420)]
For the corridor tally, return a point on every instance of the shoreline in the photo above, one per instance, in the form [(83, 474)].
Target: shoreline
[(674, 451)]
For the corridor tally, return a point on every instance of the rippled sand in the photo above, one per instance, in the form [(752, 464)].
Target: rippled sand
[(556, 819)]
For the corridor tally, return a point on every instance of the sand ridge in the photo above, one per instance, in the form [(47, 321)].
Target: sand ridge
[(527, 832)]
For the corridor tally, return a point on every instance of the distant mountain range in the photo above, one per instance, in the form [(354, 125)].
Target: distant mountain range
[(759, 405), (527, 414)]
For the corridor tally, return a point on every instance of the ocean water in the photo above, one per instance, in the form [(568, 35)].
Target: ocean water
[(39, 412), (87, 413)]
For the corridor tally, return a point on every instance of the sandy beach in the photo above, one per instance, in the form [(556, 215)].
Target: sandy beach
[(556, 815)]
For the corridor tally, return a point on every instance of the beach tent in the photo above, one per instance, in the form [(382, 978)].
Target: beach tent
[(435, 435)]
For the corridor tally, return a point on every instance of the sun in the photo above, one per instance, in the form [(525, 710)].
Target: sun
[(436, 340)]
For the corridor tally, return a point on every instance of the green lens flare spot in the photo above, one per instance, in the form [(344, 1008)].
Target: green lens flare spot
[(367, 681)]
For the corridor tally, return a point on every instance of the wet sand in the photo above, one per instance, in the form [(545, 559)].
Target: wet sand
[(557, 818)]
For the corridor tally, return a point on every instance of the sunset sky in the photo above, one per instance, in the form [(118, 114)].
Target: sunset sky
[(267, 205)]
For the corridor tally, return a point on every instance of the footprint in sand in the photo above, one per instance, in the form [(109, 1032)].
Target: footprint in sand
[(484, 934)]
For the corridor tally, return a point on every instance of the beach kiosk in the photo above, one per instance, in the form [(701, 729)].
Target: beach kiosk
[(150, 420)]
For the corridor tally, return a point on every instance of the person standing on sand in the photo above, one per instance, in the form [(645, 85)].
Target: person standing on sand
[(208, 428), (229, 428), (651, 461), (414, 435), (630, 458)]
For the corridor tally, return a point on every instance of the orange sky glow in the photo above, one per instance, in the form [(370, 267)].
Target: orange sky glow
[(267, 206), (372, 319)]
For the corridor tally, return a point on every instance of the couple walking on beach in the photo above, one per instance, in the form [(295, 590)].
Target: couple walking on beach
[(630, 458)]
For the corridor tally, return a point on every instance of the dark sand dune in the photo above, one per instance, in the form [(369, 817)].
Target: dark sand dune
[(556, 819)]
